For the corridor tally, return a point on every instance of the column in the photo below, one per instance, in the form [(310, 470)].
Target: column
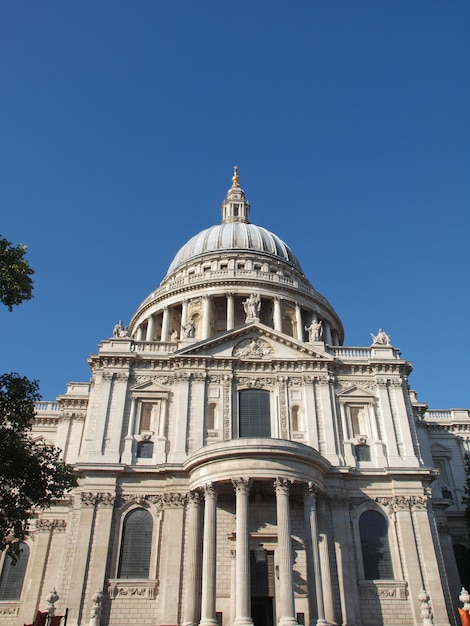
[(150, 328), (277, 314), (127, 456), (242, 589), (166, 324), (311, 531), (298, 320), (230, 311), (184, 317), (99, 547), (285, 555), (81, 555), (191, 558), (325, 565), (209, 557), (345, 558), (140, 333), (38, 560), (172, 537), (327, 335), (206, 316), (102, 389)]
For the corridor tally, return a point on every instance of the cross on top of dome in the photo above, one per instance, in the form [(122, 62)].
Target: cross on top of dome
[(235, 207)]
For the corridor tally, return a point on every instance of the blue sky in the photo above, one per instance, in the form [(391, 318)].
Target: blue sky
[(349, 120)]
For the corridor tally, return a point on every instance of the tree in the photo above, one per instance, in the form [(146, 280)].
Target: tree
[(31, 472), (15, 274)]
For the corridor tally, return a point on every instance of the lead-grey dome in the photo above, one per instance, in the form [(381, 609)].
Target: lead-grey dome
[(235, 236)]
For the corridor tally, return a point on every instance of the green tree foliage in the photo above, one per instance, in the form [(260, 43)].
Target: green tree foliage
[(32, 474), (16, 285)]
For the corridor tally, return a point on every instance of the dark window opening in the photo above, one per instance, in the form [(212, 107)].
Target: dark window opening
[(12, 578), (145, 450), (136, 545), (362, 452), (376, 555), (254, 413)]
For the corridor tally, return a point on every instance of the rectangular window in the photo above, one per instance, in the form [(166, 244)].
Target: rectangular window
[(254, 413)]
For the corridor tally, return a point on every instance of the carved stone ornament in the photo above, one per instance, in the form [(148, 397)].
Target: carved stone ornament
[(48, 525), (241, 484), (145, 590), (282, 485), (160, 501), (90, 498), (404, 503), (9, 611), (252, 349)]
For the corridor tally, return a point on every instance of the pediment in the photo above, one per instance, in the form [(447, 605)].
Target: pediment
[(149, 387), (356, 393), (439, 450), (254, 341)]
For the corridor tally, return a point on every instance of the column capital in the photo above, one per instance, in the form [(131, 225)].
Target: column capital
[(241, 485), (312, 489), (282, 485), (210, 490), (194, 498)]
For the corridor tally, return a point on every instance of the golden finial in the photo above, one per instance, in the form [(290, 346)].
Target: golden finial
[(235, 178)]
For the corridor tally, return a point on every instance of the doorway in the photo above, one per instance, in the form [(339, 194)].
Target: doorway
[(262, 587)]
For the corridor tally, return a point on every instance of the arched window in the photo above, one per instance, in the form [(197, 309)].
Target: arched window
[(136, 545), (12, 578), (254, 413), (373, 529)]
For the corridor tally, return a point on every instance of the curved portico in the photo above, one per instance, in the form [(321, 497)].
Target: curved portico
[(254, 471)]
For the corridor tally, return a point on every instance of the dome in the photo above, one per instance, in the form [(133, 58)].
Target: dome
[(235, 236)]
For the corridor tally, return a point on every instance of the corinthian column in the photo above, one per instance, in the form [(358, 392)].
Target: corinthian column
[(209, 557), (206, 316), (310, 510), (166, 324), (242, 589), (230, 312), (277, 313), (191, 565), (286, 577)]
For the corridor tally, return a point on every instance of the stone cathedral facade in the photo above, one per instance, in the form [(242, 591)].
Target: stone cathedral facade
[(240, 465)]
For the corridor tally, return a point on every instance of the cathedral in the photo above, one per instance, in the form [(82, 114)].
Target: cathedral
[(240, 465)]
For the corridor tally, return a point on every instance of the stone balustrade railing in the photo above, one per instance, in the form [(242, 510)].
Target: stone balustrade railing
[(349, 352), (46, 407), (447, 414), (210, 276), (158, 347)]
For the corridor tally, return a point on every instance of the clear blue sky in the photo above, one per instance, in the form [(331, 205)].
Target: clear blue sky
[(349, 121)]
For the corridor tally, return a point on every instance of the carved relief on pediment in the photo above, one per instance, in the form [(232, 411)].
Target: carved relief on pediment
[(252, 348)]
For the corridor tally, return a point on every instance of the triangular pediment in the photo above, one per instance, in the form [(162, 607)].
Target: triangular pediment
[(149, 387), (356, 393), (254, 341), (439, 450)]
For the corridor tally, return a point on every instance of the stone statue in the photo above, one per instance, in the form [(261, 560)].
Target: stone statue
[(381, 338), (174, 335), (119, 330), (315, 331), (95, 614), (190, 329), (252, 307)]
